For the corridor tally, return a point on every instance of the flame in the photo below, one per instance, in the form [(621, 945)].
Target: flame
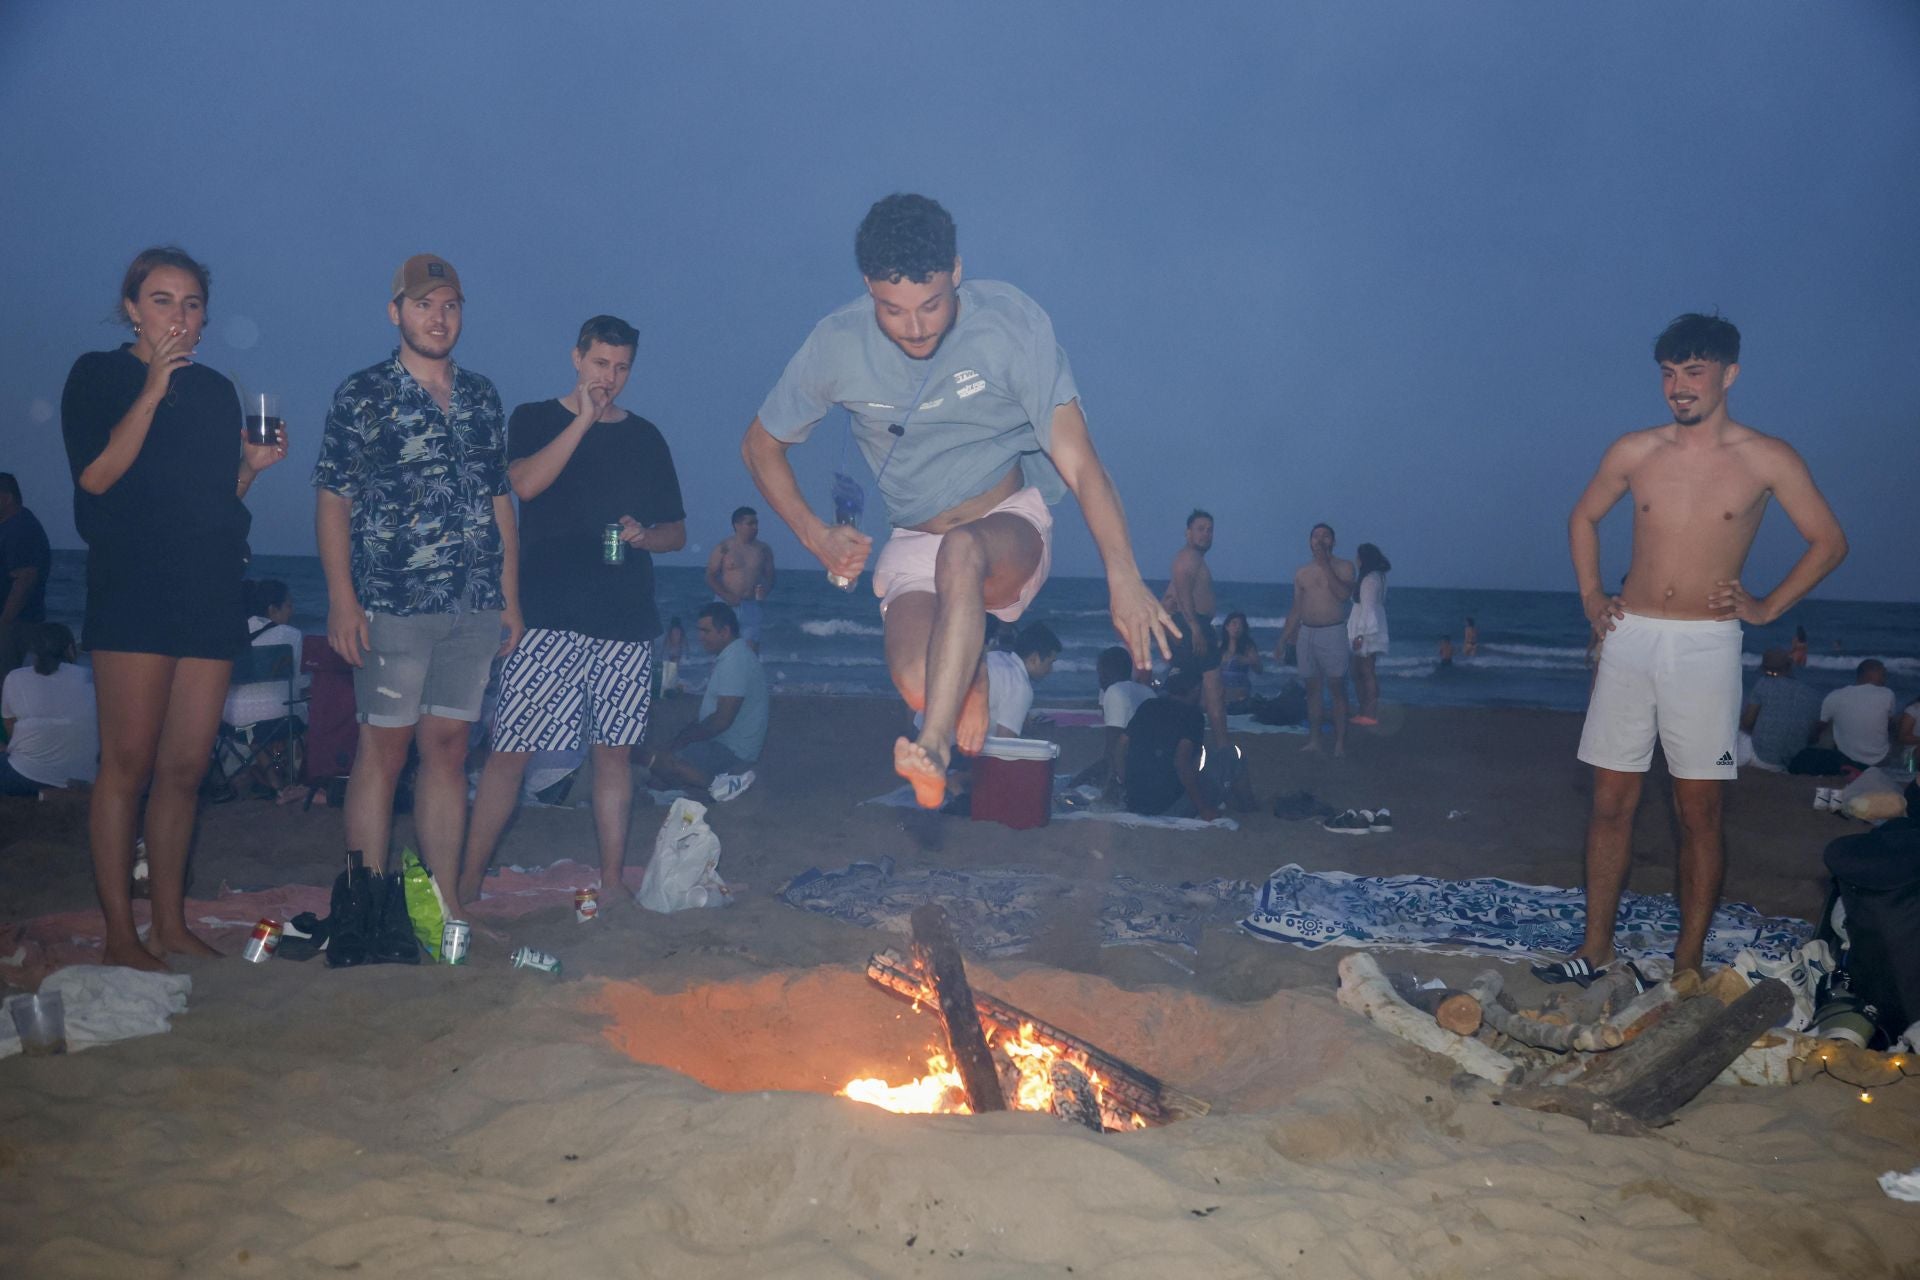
[(941, 1091)]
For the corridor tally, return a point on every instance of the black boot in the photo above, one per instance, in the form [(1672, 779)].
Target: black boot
[(392, 933), (351, 916)]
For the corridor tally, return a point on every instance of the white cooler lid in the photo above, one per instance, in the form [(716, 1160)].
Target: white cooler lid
[(1020, 749)]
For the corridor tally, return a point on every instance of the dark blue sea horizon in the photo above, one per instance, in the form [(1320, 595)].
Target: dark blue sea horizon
[(1532, 643)]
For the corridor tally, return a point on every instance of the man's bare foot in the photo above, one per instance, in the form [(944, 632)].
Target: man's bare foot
[(1313, 744), (616, 898), (1339, 750), (180, 942), (919, 767), (135, 956), (970, 734)]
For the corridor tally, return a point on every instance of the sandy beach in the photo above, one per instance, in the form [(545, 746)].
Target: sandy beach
[(664, 1108)]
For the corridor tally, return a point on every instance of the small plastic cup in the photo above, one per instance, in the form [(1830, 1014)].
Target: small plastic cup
[(41, 1021)]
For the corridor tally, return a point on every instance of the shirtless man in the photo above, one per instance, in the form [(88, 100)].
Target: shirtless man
[(1189, 599), (1317, 629), (965, 407), (740, 573), (1670, 657)]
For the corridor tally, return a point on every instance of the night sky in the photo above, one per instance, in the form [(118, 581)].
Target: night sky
[(1394, 266)]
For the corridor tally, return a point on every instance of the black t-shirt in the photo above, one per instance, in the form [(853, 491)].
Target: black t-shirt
[(23, 545), (620, 469), (177, 501), (1153, 735)]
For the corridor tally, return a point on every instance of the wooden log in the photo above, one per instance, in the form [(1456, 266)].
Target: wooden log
[(1073, 1098), (1641, 1086), (1457, 1011), (1155, 1101), (1603, 995), (1366, 991), (939, 954), (1557, 1036)]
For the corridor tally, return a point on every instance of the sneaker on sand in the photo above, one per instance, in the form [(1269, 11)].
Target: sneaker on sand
[(727, 786), (1351, 822), (1382, 820)]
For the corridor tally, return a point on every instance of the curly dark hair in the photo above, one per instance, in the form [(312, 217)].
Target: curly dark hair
[(905, 237)]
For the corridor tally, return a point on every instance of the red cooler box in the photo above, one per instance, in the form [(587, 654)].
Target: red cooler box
[(1013, 782)]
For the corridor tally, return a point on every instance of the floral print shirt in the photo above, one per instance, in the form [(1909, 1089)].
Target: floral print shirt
[(422, 484)]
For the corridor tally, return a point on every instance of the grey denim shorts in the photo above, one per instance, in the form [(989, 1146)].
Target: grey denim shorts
[(425, 663)]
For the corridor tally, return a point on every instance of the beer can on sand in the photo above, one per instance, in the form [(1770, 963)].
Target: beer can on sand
[(586, 904), (264, 942), (530, 958), (612, 550), (455, 937)]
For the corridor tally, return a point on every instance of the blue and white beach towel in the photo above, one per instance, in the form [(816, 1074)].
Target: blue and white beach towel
[(1463, 917)]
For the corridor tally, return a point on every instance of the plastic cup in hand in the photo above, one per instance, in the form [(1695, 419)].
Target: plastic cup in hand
[(849, 502), (264, 423), (41, 1021)]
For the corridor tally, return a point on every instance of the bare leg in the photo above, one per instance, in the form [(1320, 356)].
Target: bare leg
[(377, 763), (1338, 687), (494, 801), (1366, 685), (199, 690), (440, 794), (981, 564), (1696, 803), (133, 690), (675, 772), (1213, 699), (612, 813), (1616, 796), (1314, 712)]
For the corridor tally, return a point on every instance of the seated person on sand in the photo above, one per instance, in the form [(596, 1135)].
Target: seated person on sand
[(1239, 664), (1120, 696), (1010, 678), (1781, 716), (716, 753), (965, 407), (1861, 715), (52, 724), (1166, 769)]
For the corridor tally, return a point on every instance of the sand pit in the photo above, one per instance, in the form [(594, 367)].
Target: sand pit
[(813, 1030)]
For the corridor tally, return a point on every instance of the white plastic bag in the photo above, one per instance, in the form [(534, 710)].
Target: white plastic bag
[(685, 868)]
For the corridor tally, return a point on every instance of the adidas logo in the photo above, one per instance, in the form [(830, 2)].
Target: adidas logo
[(1726, 758)]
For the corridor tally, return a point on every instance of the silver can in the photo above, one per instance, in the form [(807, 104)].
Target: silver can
[(532, 958), (264, 941), (612, 549), (456, 936)]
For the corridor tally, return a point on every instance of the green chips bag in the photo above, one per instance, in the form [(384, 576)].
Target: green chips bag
[(426, 909)]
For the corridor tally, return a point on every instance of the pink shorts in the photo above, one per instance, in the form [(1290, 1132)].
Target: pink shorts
[(906, 562)]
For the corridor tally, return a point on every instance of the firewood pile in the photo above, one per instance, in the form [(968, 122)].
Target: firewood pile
[(1622, 1060)]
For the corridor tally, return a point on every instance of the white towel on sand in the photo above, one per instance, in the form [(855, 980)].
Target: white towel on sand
[(105, 1003)]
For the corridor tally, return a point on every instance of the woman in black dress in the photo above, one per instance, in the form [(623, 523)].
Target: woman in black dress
[(160, 463)]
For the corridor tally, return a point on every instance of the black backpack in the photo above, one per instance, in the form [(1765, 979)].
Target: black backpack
[(1876, 876)]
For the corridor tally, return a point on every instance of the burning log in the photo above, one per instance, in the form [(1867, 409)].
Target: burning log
[(938, 953), (1073, 1097), (1148, 1097), (1366, 991)]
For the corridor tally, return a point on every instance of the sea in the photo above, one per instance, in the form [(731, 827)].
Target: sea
[(1532, 652)]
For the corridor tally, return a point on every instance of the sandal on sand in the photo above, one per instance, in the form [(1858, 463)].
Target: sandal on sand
[(1578, 970)]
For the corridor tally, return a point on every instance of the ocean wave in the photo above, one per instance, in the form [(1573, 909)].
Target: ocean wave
[(840, 627), (825, 659)]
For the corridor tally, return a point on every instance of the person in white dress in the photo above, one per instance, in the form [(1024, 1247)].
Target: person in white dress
[(1367, 630)]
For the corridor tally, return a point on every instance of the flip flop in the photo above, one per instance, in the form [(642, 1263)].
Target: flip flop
[(1578, 970)]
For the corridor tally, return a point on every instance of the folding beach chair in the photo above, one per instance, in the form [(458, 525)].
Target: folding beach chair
[(274, 743)]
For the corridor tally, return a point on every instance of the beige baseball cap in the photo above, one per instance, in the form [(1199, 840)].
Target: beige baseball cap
[(421, 274)]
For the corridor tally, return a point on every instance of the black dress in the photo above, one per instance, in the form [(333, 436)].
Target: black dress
[(166, 545)]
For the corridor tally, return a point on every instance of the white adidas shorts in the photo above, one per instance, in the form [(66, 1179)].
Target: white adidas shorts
[(1677, 680)]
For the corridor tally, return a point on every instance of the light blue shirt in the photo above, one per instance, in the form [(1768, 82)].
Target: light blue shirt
[(985, 399), (737, 674)]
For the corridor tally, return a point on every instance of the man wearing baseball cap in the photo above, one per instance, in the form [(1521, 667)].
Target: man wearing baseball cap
[(417, 539)]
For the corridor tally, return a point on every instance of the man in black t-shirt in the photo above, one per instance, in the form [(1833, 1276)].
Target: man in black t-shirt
[(24, 564), (584, 671), (1167, 770)]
